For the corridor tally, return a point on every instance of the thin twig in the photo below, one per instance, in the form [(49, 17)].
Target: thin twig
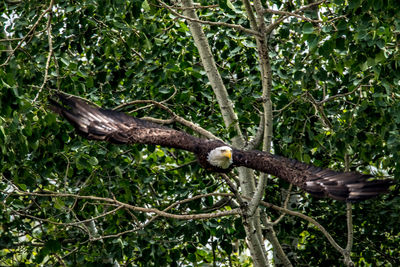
[(234, 189), (141, 226), (349, 219), (68, 224), (134, 208), (291, 14), (174, 117), (255, 142), (285, 204), (50, 43), (212, 23), (344, 94), (196, 6), (49, 9), (309, 219), (288, 104), (319, 109), (159, 104), (275, 24)]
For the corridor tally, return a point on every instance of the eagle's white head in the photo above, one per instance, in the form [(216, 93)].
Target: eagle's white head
[(220, 157)]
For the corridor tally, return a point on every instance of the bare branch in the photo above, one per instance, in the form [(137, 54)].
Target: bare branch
[(310, 6), (289, 104), (349, 217), (67, 224), (11, 39), (31, 31), (350, 233), (159, 104), (247, 181), (212, 23), (255, 142), (131, 207), (144, 101), (309, 219), (174, 117), (195, 6), (120, 36), (285, 203), (290, 14), (50, 43), (141, 226), (344, 94), (272, 26), (120, 205), (234, 189), (318, 105), (320, 110)]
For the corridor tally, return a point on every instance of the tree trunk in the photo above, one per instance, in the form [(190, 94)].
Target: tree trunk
[(246, 176)]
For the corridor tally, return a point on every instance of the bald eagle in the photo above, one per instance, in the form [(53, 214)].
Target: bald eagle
[(117, 127)]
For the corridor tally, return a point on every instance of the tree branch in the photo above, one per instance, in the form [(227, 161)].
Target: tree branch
[(272, 26), (226, 106), (252, 218), (30, 32), (141, 226), (291, 14), (288, 104), (67, 224), (50, 43), (285, 203), (174, 117), (319, 110), (349, 219), (234, 189), (258, 138), (191, 8), (307, 218), (121, 205), (131, 207), (344, 94)]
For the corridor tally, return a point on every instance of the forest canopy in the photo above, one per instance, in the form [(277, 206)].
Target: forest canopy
[(316, 81)]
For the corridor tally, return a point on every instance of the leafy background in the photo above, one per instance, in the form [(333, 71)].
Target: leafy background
[(112, 52)]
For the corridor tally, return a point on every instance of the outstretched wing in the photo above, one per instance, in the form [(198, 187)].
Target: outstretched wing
[(117, 127), (102, 124), (345, 186)]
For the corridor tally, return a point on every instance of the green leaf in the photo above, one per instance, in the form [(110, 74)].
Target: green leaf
[(223, 4), (59, 204), (230, 5), (308, 28), (380, 57), (53, 245), (164, 90), (65, 61), (249, 44), (115, 52), (93, 161), (118, 171), (146, 6), (89, 82)]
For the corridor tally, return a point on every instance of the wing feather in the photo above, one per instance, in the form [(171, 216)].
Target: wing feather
[(344, 186), (102, 124)]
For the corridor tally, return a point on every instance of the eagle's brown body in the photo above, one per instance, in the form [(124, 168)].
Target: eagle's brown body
[(117, 127)]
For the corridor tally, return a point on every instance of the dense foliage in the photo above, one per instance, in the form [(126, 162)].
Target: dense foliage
[(336, 103)]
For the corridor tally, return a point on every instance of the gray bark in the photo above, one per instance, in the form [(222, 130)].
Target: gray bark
[(246, 176)]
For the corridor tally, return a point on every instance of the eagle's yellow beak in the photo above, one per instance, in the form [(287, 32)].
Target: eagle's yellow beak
[(228, 154)]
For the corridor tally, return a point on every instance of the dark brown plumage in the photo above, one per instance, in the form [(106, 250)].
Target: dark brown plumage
[(117, 127)]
